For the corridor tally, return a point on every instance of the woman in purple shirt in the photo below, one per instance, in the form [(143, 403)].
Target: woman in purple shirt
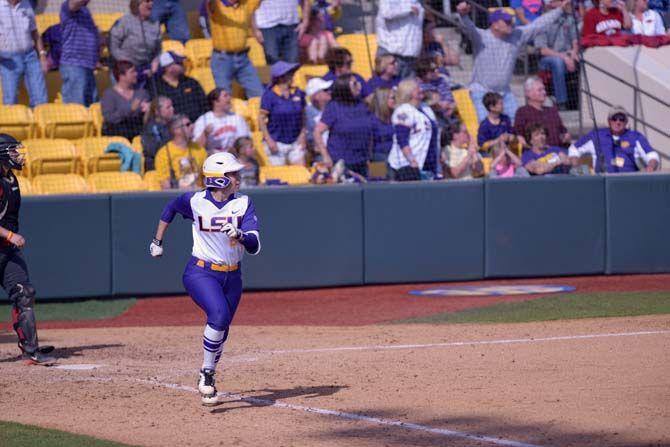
[(349, 122), (386, 75), (382, 103)]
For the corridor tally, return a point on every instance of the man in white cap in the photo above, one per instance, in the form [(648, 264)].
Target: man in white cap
[(318, 93), (186, 94)]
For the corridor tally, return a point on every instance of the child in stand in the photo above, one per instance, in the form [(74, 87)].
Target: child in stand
[(496, 128), (319, 37), (246, 154), (506, 163)]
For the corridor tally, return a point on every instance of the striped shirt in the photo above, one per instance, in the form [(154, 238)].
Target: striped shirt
[(81, 38)]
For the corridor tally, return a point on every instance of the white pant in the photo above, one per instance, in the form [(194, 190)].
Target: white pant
[(289, 154)]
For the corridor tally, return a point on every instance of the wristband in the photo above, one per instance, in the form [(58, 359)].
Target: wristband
[(157, 242), (9, 236)]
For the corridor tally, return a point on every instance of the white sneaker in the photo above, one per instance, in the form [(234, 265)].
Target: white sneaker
[(206, 387)]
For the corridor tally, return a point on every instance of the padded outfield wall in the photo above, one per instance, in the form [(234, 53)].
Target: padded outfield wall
[(97, 245)]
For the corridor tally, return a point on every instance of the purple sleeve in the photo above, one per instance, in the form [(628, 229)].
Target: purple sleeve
[(329, 115), (483, 133), (402, 135), (181, 205), (527, 157), (250, 228), (644, 143), (266, 101)]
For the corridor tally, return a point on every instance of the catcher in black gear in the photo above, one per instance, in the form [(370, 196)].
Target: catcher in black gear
[(13, 268)]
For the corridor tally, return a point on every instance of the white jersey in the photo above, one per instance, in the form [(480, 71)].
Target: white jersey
[(420, 133), (225, 130), (209, 216)]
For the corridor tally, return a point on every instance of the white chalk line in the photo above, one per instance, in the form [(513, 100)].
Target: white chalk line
[(349, 416), (468, 343)]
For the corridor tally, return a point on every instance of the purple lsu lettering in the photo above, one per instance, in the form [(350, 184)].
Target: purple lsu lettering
[(216, 223)]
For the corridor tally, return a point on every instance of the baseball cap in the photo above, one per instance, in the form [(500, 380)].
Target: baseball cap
[(281, 68), (316, 85), (499, 14), (170, 57), (615, 110)]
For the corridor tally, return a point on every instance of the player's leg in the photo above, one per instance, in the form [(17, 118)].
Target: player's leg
[(22, 295)]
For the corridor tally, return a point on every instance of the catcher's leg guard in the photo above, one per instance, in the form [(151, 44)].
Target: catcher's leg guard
[(23, 316)]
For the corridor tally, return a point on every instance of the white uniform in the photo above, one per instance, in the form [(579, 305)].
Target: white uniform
[(421, 131)]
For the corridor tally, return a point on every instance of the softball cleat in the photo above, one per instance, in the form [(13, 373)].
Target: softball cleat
[(206, 387)]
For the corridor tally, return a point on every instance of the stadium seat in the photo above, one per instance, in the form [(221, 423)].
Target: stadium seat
[(151, 182), (293, 175), (256, 52), (17, 120), (96, 115), (71, 121), (59, 184), (363, 54), (466, 110), (254, 106), (44, 21), (51, 156), (115, 182), (261, 156), (204, 77), (241, 107), (199, 52), (92, 152), (307, 72), (174, 46), (105, 20), (26, 185)]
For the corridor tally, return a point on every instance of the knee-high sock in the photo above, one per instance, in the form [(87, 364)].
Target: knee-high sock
[(212, 345)]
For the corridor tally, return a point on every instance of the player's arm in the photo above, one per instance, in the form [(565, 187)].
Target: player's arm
[(247, 234), (13, 238), (180, 205)]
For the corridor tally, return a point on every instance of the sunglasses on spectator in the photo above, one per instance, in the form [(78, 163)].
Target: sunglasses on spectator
[(188, 124), (346, 63), (619, 117)]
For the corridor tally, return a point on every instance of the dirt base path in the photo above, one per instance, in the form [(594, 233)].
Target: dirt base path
[(603, 382)]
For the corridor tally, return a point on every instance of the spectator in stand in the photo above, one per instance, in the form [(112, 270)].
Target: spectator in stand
[(318, 92), (218, 129), (80, 53), (53, 43), (536, 112), (246, 154), (347, 119), (319, 37), (124, 105), (156, 132), (505, 163), (460, 156), (179, 162), (278, 28), (496, 128), (431, 80), (495, 52), (21, 53), (434, 45), (663, 8), (171, 14), (339, 62), (415, 154), (230, 21), (186, 94), (606, 18), (382, 104), (646, 21), (282, 117), (386, 75), (137, 38), (559, 48), (616, 148), (203, 20), (526, 10), (399, 26), (541, 158)]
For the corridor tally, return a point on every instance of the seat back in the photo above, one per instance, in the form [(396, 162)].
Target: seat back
[(17, 120), (173, 45), (256, 52), (51, 156), (204, 77), (59, 184), (362, 52), (293, 175), (45, 20), (96, 116), (95, 159), (199, 52), (151, 181), (108, 182), (307, 72), (466, 110), (70, 121), (261, 156), (26, 185), (105, 20)]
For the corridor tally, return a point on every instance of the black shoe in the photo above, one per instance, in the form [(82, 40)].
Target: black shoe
[(43, 349), (38, 358)]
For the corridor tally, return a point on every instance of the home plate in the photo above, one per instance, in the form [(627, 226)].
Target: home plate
[(78, 367)]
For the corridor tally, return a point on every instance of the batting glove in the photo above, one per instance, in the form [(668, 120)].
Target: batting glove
[(231, 231), (156, 249)]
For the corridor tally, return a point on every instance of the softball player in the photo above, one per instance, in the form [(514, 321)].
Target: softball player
[(224, 227), (13, 268)]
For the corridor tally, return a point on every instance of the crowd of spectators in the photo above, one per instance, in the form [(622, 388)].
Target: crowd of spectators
[(404, 117)]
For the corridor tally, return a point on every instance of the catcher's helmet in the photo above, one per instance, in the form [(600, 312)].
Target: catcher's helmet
[(217, 166), (9, 152)]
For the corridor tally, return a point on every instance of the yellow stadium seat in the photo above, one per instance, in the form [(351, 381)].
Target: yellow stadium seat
[(70, 121), (105, 20), (92, 152), (256, 52), (26, 185), (254, 106), (199, 52), (293, 175), (96, 115), (261, 156), (507, 9), (115, 182), (137, 144), (307, 72), (204, 76), (174, 46), (51, 156), (363, 54), (44, 21), (466, 110), (17, 120), (59, 184), (151, 182), (241, 107)]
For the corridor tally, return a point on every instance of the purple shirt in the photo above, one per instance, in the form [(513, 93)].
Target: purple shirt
[(285, 115), (489, 131), (549, 154), (80, 37), (382, 136), (376, 82), (330, 76), (439, 85), (350, 131)]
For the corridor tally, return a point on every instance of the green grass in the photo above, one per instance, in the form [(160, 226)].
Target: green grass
[(559, 307), (76, 310), (19, 435)]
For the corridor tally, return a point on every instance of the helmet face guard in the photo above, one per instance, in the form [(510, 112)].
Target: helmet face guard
[(217, 181), (11, 157)]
